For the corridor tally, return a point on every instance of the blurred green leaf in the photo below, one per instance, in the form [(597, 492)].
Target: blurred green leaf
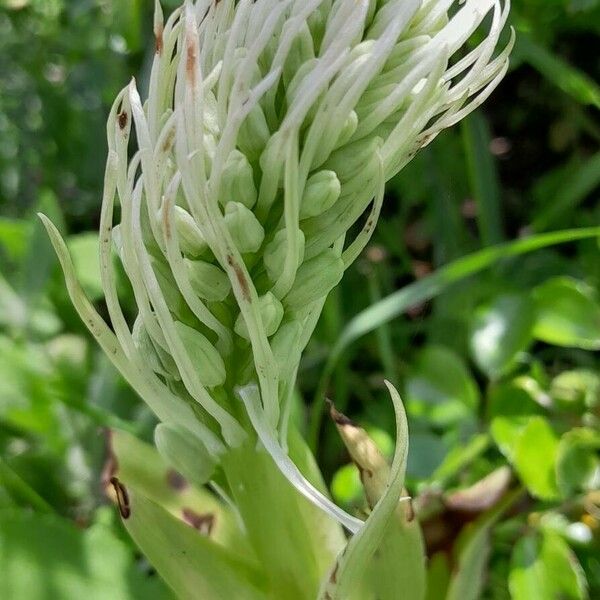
[(440, 386), (500, 331), (84, 249), (578, 464), (543, 567), (567, 314), (44, 557), (534, 458)]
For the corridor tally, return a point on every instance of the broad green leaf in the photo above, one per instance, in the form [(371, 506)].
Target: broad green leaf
[(84, 249), (534, 458), (139, 465), (290, 535), (440, 386), (543, 567), (44, 557), (567, 314), (577, 463), (459, 457), (189, 561), (500, 331)]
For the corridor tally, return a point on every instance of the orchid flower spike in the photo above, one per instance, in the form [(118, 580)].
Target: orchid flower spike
[(269, 129)]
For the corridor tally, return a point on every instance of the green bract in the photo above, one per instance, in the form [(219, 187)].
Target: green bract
[(269, 130)]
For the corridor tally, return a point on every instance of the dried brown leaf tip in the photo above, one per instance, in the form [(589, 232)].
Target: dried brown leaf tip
[(122, 497)]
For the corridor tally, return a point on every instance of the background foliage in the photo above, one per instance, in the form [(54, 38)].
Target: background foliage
[(495, 358)]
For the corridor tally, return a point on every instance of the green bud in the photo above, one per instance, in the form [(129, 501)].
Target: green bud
[(238, 181), (254, 133), (184, 452), (315, 279), (286, 345), (271, 312), (275, 253), (155, 357), (169, 289), (302, 50), (211, 370), (247, 233), (191, 240), (207, 280), (321, 192), (349, 160), (348, 129)]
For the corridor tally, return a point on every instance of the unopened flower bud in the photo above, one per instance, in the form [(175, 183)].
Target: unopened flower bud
[(349, 161), (271, 312), (191, 240), (275, 253), (321, 192), (286, 345), (246, 231), (348, 129), (237, 183), (315, 278), (211, 370), (254, 133), (184, 452), (155, 357), (207, 280)]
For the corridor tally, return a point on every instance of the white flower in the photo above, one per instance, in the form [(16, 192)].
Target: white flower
[(269, 129)]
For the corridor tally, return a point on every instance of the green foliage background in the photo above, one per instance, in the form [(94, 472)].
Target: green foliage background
[(496, 358)]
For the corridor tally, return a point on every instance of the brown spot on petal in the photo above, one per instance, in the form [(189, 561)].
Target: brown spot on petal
[(123, 118), (204, 523), (176, 481), (240, 277), (190, 63), (122, 497), (159, 40)]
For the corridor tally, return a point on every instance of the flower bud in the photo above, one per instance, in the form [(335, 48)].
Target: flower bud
[(155, 357), (191, 240), (286, 345), (315, 278), (246, 231), (271, 312), (275, 253), (207, 280), (254, 133), (349, 160), (184, 452), (237, 182), (348, 129), (321, 192), (211, 370)]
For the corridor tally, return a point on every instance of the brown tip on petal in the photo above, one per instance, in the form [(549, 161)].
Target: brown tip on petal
[(339, 418), (122, 497)]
